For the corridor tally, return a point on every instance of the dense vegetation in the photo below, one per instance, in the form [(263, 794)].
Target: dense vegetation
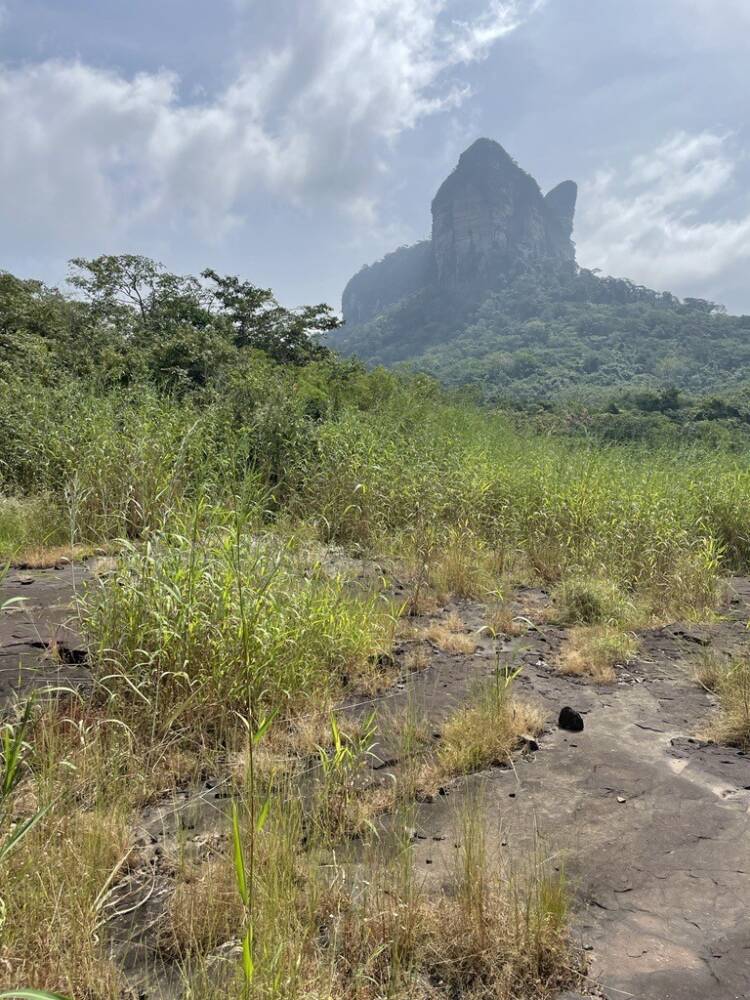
[(200, 432), (560, 335)]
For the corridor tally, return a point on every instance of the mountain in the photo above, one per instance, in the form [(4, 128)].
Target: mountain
[(496, 299), (487, 216)]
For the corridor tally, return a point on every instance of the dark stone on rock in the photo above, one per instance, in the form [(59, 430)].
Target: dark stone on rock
[(570, 720), (383, 661)]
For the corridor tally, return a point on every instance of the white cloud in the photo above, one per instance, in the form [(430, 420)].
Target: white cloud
[(718, 14), (653, 221), (85, 150)]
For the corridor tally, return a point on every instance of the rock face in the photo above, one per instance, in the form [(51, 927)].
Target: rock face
[(380, 285), (487, 216)]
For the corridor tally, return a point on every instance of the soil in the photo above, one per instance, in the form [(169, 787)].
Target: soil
[(651, 822)]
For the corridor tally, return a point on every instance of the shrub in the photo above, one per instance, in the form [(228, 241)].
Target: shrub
[(208, 619)]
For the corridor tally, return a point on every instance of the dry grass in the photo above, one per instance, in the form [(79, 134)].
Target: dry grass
[(483, 733), (594, 652), (55, 890), (730, 682), (324, 927), (501, 620), (203, 912), (502, 930), (450, 636), (417, 659), (42, 557)]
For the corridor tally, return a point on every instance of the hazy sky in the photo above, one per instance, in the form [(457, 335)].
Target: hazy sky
[(291, 141)]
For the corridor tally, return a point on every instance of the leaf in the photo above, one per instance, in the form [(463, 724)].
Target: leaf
[(21, 830), (248, 965), (28, 994), (263, 815), (239, 857), (263, 727)]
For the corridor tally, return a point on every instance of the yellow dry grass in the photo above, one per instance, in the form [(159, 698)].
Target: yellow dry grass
[(450, 636), (594, 651)]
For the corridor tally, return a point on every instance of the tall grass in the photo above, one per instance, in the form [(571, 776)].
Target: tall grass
[(209, 619), (380, 463)]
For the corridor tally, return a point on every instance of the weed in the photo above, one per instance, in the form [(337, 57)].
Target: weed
[(450, 636), (594, 651), (486, 731), (197, 631), (730, 682)]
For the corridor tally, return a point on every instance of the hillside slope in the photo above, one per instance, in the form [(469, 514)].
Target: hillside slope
[(496, 299)]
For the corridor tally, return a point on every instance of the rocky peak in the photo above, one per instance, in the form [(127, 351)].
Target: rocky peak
[(561, 201), (490, 213), (488, 216)]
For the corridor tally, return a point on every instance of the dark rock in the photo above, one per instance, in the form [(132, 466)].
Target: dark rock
[(489, 213), (570, 720), (488, 216)]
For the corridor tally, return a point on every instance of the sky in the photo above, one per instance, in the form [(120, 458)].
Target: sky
[(293, 141)]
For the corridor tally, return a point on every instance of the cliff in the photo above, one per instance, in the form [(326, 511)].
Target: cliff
[(488, 216)]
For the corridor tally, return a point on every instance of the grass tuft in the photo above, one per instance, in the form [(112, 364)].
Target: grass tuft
[(594, 651), (484, 732), (730, 682)]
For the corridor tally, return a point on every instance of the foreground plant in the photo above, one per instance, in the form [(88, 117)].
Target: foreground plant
[(730, 682), (11, 757), (206, 619)]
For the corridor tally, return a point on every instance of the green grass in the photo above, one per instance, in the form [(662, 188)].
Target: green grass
[(218, 616), (209, 619), (391, 465)]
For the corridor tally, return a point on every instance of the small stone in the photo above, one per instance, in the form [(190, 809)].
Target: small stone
[(620, 799), (571, 720), (529, 744)]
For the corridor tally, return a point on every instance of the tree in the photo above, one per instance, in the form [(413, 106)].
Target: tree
[(289, 336)]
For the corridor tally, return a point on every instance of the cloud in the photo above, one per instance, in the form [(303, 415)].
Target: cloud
[(88, 150), (727, 14), (653, 221)]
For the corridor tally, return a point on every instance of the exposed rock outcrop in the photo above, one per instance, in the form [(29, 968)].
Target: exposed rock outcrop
[(391, 279), (487, 216)]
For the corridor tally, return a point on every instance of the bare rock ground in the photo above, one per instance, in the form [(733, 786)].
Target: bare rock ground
[(651, 822)]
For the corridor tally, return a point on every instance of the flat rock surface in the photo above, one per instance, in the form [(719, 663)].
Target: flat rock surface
[(39, 642), (651, 822)]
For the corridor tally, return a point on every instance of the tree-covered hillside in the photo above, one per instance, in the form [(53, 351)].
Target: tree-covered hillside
[(554, 332)]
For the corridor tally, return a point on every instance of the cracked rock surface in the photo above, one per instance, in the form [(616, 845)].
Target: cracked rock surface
[(651, 822)]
